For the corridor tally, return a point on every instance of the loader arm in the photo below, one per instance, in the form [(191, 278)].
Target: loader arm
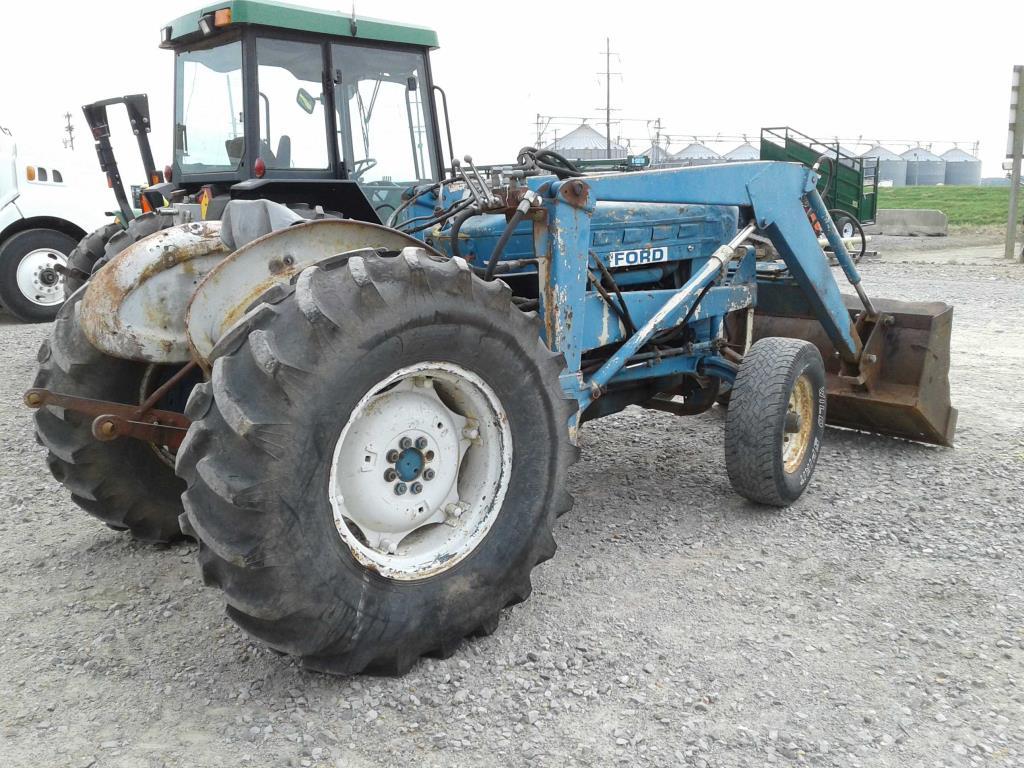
[(888, 372), (775, 191)]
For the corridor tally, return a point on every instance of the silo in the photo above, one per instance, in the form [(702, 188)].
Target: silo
[(923, 168), (660, 158), (584, 143), (962, 169), (745, 151), (696, 154), (891, 167), (846, 156)]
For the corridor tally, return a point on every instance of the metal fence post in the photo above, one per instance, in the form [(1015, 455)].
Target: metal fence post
[(1014, 150)]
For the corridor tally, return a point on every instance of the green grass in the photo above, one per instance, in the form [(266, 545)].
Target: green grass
[(965, 206)]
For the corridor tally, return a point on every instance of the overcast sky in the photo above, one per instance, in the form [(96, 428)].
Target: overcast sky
[(896, 71)]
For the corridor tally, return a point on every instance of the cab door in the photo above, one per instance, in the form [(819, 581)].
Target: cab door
[(386, 135)]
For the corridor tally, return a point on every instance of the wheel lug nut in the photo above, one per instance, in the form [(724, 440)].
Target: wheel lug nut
[(428, 474), (417, 487), (405, 442), (400, 488), (392, 456), (421, 443), (390, 475)]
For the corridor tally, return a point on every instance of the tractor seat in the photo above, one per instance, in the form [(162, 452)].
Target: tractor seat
[(284, 152), (236, 149)]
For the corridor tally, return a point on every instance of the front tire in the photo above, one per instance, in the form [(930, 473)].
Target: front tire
[(776, 420), (314, 576), (30, 273)]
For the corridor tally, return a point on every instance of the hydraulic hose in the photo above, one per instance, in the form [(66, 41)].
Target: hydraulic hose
[(457, 223), (610, 278), (503, 241), (521, 211), (547, 160)]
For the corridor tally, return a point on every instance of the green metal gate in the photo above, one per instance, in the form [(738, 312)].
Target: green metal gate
[(848, 183)]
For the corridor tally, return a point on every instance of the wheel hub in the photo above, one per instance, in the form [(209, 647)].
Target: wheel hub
[(799, 424), (38, 278), (410, 464), (420, 469)]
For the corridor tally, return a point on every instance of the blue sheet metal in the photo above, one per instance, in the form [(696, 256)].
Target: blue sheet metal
[(646, 227)]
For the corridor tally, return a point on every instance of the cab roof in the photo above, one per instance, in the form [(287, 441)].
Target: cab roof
[(297, 18)]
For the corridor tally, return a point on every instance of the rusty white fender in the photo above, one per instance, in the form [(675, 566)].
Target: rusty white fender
[(134, 308), (231, 288)]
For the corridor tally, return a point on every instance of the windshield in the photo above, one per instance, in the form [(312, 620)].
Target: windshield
[(208, 131), (382, 99)]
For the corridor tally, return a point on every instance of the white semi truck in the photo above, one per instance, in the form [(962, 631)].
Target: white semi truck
[(49, 200)]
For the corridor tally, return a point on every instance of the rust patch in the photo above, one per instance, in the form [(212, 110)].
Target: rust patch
[(575, 192)]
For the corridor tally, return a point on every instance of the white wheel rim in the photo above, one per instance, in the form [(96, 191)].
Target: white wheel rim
[(420, 470), (37, 279)]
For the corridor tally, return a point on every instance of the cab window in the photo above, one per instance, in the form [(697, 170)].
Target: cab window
[(386, 133), (293, 129), (208, 130)]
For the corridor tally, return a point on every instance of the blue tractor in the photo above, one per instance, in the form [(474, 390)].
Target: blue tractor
[(366, 418)]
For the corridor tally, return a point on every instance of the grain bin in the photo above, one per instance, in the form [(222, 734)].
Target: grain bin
[(584, 143), (923, 168), (745, 151), (660, 158), (891, 167), (962, 169), (696, 154)]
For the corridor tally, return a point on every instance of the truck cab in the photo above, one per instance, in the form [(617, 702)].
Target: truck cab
[(301, 106), (47, 204)]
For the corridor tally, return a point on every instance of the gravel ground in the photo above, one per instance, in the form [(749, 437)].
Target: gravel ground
[(877, 622)]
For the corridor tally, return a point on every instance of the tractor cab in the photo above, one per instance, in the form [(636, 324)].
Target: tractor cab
[(302, 106)]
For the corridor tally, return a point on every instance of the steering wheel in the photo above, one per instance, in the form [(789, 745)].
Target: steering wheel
[(359, 167)]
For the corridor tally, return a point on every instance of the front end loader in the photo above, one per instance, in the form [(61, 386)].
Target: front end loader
[(368, 424)]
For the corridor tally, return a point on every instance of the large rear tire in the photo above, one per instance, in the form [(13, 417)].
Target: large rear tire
[(299, 444), (128, 484), (83, 258), (776, 420)]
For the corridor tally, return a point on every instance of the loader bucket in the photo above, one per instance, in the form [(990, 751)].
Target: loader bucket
[(907, 392)]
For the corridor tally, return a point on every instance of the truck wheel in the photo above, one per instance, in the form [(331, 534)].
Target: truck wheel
[(848, 227), (83, 258), (375, 466), (775, 421), (30, 283), (128, 484)]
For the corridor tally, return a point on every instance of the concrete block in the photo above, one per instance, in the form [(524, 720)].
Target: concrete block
[(909, 222)]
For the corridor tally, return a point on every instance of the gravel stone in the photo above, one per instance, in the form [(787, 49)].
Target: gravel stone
[(879, 621)]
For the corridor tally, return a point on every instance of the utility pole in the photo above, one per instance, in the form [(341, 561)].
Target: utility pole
[(608, 94), (1014, 151), (69, 129)]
